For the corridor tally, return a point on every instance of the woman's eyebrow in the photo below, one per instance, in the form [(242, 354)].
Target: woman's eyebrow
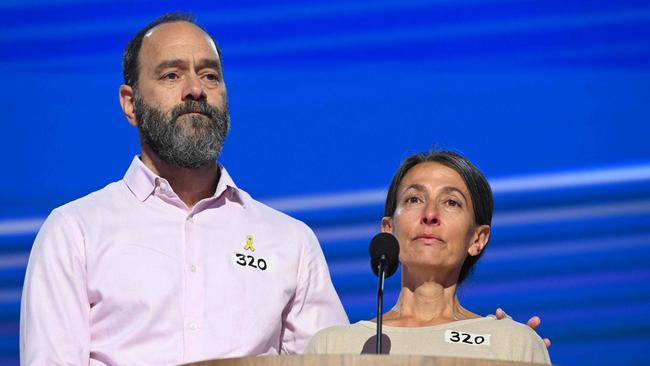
[(418, 187), (450, 189)]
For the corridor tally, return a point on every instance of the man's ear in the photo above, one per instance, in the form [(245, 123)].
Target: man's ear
[(127, 102), (479, 240), (387, 225)]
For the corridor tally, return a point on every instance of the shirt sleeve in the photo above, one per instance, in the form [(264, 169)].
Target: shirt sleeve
[(54, 312), (315, 305)]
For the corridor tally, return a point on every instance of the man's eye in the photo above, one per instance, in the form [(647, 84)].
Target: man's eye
[(212, 77), (170, 76)]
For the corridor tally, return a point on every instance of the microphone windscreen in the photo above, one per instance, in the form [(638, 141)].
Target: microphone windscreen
[(384, 244)]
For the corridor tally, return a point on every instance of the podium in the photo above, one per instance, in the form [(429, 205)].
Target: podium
[(356, 360)]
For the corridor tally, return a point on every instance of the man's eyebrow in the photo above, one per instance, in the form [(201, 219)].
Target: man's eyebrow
[(169, 63), (202, 64), (209, 63)]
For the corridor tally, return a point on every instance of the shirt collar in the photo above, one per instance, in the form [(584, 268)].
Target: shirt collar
[(142, 182), (227, 185)]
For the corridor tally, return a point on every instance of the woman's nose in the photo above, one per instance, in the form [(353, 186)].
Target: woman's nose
[(430, 215)]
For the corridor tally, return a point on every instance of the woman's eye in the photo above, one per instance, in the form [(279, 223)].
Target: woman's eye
[(452, 203), (412, 199)]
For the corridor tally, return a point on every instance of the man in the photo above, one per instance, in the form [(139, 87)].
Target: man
[(174, 263)]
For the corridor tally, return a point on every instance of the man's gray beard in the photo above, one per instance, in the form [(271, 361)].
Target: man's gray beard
[(192, 146)]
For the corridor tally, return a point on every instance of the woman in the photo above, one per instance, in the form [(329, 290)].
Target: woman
[(439, 207)]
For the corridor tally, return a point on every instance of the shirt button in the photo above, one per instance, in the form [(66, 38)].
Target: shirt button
[(190, 218), (193, 268), (194, 326), (164, 187)]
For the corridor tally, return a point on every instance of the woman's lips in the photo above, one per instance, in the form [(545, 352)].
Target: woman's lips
[(429, 239)]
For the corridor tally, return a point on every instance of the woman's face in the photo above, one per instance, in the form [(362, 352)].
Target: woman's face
[(434, 220)]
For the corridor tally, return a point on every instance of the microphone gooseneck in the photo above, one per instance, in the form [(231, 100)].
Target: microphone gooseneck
[(384, 260)]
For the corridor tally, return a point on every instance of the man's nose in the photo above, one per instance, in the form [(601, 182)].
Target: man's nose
[(193, 88)]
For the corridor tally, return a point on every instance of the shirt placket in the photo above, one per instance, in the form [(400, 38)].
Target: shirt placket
[(195, 288)]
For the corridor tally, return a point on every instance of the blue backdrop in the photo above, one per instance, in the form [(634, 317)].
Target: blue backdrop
[(550, 99)]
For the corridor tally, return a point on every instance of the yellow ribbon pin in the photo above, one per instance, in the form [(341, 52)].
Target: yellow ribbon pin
[(249, 243)]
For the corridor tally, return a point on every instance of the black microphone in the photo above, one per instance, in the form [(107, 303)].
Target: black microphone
[(384, 248), (384, 260)]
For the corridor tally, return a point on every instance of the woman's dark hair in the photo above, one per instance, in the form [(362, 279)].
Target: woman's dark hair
[(478, 186), (130, 60)]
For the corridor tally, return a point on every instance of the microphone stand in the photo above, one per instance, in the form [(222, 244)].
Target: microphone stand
[(380, 298)]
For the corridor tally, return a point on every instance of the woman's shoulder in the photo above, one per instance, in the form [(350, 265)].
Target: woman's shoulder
[(338, 339), (343, 329), (507, 335), (502, 327), (507, 325)]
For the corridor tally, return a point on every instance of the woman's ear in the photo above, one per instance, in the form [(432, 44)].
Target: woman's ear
[(479, 240), (387, 224)]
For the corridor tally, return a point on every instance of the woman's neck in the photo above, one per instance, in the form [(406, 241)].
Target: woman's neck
[(426, 303)]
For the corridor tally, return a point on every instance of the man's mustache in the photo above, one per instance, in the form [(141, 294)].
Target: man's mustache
[(194, 106)]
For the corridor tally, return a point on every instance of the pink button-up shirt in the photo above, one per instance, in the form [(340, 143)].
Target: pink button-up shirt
[(128, 275)]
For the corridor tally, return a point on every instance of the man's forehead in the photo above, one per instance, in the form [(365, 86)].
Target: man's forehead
[(177, 31)]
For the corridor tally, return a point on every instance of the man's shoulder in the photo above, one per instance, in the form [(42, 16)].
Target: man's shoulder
[(271, 215), (100, 199), (88, 212)]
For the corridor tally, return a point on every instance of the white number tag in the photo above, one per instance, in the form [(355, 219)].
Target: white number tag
[(249, 261), (454, 336)]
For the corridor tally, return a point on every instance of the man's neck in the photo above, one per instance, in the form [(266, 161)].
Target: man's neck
[(190, 184)]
